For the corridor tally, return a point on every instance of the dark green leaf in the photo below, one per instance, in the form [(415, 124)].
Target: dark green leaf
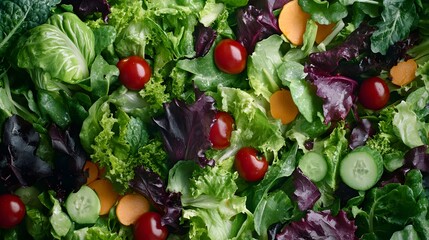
[(274, 207), (324, 12), (17, 16), (399, 16)]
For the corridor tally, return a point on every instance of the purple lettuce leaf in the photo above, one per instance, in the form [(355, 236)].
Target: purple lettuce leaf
[(19, 165), (415, 158), (150, 185), (204, 39), (356, 43), (305, 192), (361, 133), (337, 92), (69, 162), (256, 22), (320, 225), (84, 8), (354, 57), (185, 129), (371, 64)]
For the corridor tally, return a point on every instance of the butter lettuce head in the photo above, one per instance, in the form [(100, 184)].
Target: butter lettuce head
[(59, 51)]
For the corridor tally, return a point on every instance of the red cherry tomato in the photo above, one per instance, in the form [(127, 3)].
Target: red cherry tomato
[(12, 211), (374, 93), (230, 56), (220, 132), (148, 227), (249, 165), (134, 72)]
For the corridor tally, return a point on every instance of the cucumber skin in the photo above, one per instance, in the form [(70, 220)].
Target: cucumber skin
[(377, 159)]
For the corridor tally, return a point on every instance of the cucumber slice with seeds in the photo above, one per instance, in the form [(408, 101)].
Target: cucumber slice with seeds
[(314, 166), (83, 206), (362, 168)]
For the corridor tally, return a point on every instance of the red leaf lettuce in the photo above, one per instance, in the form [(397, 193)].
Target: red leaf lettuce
[(185, 128)]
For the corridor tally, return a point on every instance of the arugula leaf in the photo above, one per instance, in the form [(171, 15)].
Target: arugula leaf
[(399, 16), (17, 16)]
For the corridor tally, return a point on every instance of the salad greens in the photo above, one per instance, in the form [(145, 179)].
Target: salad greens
[(62, 104)]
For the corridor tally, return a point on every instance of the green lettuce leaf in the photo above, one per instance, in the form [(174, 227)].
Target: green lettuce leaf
[(262, 67), (253, 127), (324, 12), (65, 40), (117, 135), (209, 201), (408, 127), (204, 73)]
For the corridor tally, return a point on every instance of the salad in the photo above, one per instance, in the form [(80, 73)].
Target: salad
[(216, 119)]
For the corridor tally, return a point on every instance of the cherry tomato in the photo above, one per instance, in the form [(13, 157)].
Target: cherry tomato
[(374, 93), (148, 227), (12, 211), (250, 166), (220, 131), (230, 56), (134, 72)]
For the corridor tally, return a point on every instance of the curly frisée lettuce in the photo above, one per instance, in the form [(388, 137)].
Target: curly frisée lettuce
[(119, 139), (210, 202)]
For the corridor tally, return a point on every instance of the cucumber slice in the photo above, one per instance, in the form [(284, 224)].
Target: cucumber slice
[(362, 168), (314, 166), (83, 206)]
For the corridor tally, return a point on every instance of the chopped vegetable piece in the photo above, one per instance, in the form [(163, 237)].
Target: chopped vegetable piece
[(131, 207), (283, 107), (403, 72), (293, 24), (293, 21), (83, 206), (93, 171), (313, 165), (323, 31), (362, 168), (106, 193)]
